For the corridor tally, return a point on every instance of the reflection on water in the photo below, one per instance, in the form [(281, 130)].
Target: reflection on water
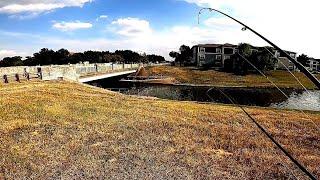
[(305, 101), (264, 97)]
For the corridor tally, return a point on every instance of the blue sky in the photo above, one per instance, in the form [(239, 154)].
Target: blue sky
[(160, 13), (151, 26)]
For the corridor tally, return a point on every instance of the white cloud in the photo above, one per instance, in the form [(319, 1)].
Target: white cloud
[(10, 53), (6, 53), (34, 7), (287, 28), (293, 29), (132, 27), (220, 22), (290, 24), (136, 34), (71, 26), (157, 42), (102, 17)]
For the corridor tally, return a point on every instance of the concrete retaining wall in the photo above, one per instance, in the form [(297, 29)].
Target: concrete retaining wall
[(68, 72), (59, 72)]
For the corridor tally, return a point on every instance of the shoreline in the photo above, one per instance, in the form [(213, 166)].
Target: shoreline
[(212, 78)]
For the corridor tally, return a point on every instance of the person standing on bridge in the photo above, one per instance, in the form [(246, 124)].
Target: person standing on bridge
[(17, 77), (5, 77)]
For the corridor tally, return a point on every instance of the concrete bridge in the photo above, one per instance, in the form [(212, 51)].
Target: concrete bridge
[(105, 75), (83, 72)]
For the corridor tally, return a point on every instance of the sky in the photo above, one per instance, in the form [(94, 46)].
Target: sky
[(154, 26)]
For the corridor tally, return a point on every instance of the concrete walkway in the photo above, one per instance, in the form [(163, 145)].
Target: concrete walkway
[(104, 76)]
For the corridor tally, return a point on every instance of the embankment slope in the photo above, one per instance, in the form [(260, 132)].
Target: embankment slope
[(68, 130)]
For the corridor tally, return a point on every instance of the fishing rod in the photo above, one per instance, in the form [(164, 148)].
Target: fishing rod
[(300, 67), (294, 61)]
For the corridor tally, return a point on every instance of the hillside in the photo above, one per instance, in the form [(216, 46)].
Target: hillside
[(210, 77), (68, 130)]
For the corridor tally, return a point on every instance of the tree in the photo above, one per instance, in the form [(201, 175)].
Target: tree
[(129, 56), (93, 56), (245, 49), (303, 59), (44, 57), (61, 57), (144, 58), (263, 60), (240, 64), (29, 61), (174, 54), (185, 54), (76, 58), (155, 58), (11, 61), (47, 57), (114, 58)]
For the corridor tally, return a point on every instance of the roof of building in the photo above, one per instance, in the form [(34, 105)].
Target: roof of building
[(291, 52), (269, 47), (216, 45), (232, 45), (313, 59)]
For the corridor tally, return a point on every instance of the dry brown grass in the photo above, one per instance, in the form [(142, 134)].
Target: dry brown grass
[(51, 130), (210, 77)]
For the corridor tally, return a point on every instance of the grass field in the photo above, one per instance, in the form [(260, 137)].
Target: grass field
[(51, 130), (210, 77)]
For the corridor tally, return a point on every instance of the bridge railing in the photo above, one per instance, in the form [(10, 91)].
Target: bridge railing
[(88, 69), (69, 72)]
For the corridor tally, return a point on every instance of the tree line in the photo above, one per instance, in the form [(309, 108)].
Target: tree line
[(48, 56)]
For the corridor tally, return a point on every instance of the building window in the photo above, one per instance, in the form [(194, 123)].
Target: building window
[(202, 56), (228, 51), (202, 50), (218, 57), (218, 50), (211, 50)]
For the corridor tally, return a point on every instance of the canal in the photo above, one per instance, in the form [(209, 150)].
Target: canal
[(264, 97)]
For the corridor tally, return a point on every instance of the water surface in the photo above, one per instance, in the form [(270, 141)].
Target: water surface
[(264, 97)]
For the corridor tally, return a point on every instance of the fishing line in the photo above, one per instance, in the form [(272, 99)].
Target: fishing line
[(296, 162), (309, 119)]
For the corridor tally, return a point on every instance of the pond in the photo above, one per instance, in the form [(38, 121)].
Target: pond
[(264, 97)]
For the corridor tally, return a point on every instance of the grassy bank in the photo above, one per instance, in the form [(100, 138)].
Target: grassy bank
[(66, 130), (210, 77)]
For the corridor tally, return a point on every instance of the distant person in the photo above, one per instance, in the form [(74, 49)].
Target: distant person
[(17, 77), (96, 67), (39, 73), (5, 77), (26, 74)]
